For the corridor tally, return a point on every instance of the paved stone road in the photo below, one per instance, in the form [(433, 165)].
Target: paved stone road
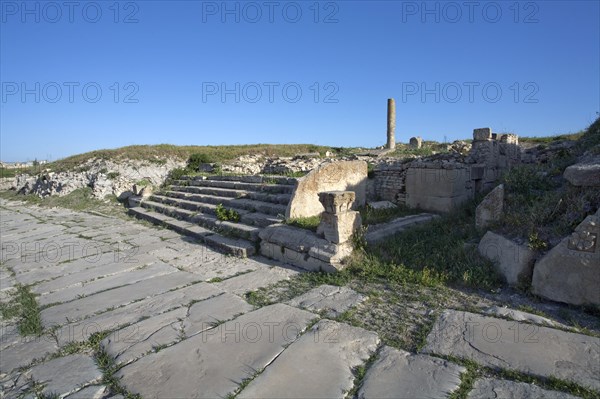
[(180, 325)]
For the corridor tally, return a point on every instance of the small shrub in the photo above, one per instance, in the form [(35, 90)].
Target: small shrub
[(113, 175), (225, 214), (177, 174), (195, 160)]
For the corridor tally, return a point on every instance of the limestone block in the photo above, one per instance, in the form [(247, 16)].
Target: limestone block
[(490, 209), (338, 228), (570, 272), (437, 189), (329, 176), (337, 201), (513, 261), (482, 134), (584, 174)]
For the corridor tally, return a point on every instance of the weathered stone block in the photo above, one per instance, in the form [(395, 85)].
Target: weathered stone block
[(490, 209), (437, 189), (338, 228), (570, 272), (482, 134), (329, 176), (337, 201), (513, 261), (584, 174)]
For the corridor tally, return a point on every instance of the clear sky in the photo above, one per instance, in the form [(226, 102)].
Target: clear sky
[(78, 76)]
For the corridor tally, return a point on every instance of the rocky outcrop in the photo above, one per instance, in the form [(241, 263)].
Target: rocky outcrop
[(105, 177)]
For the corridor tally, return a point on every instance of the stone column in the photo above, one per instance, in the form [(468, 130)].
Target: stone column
[(391, 124), (339, 221)]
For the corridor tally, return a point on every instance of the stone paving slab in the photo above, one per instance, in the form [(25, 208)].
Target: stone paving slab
[(318, 365), (96, 270), (257, 279), (213, 364), (24, 351), (91, 392), (116, 280), (132, 313), (501, 389), (81, 308), (527, 348), (522, 316), (135, 341), (400, 374), (65, 375), (329, 299)]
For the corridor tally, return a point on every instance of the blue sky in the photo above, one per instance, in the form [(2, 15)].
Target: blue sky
[(106, 74)]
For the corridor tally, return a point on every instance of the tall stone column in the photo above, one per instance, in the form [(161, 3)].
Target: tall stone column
[(391, 124)]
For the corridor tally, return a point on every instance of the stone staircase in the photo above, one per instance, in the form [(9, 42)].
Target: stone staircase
[(189, 207)]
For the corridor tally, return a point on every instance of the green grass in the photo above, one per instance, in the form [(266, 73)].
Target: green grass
[(309, 223), (159, 153), (24, 307)]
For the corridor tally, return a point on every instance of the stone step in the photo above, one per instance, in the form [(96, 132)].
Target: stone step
[(237, 203), (196, 206), (260, 219), (237, 185), (238, 230), (282, 198), (235, 246), (271, 179)]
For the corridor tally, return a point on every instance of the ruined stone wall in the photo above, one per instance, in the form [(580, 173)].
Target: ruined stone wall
[(444, 181)]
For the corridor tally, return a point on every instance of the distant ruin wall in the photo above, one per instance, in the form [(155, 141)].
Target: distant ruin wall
[(443, 181)]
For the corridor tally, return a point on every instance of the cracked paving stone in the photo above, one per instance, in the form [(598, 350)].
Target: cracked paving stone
[(318, 365), (328, 298), (130, 343), (527, 348), (501, 389), (215, 362), (400, 374), (263, 277), (106, 283), (66, 375), (132, 313), (91, 392), (78, 309)]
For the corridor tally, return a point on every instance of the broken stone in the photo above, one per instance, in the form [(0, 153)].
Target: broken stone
[(400, 374), (318, 365), (490, 208), (514, 262), (329, 299), (570, 272), (507, 344)]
